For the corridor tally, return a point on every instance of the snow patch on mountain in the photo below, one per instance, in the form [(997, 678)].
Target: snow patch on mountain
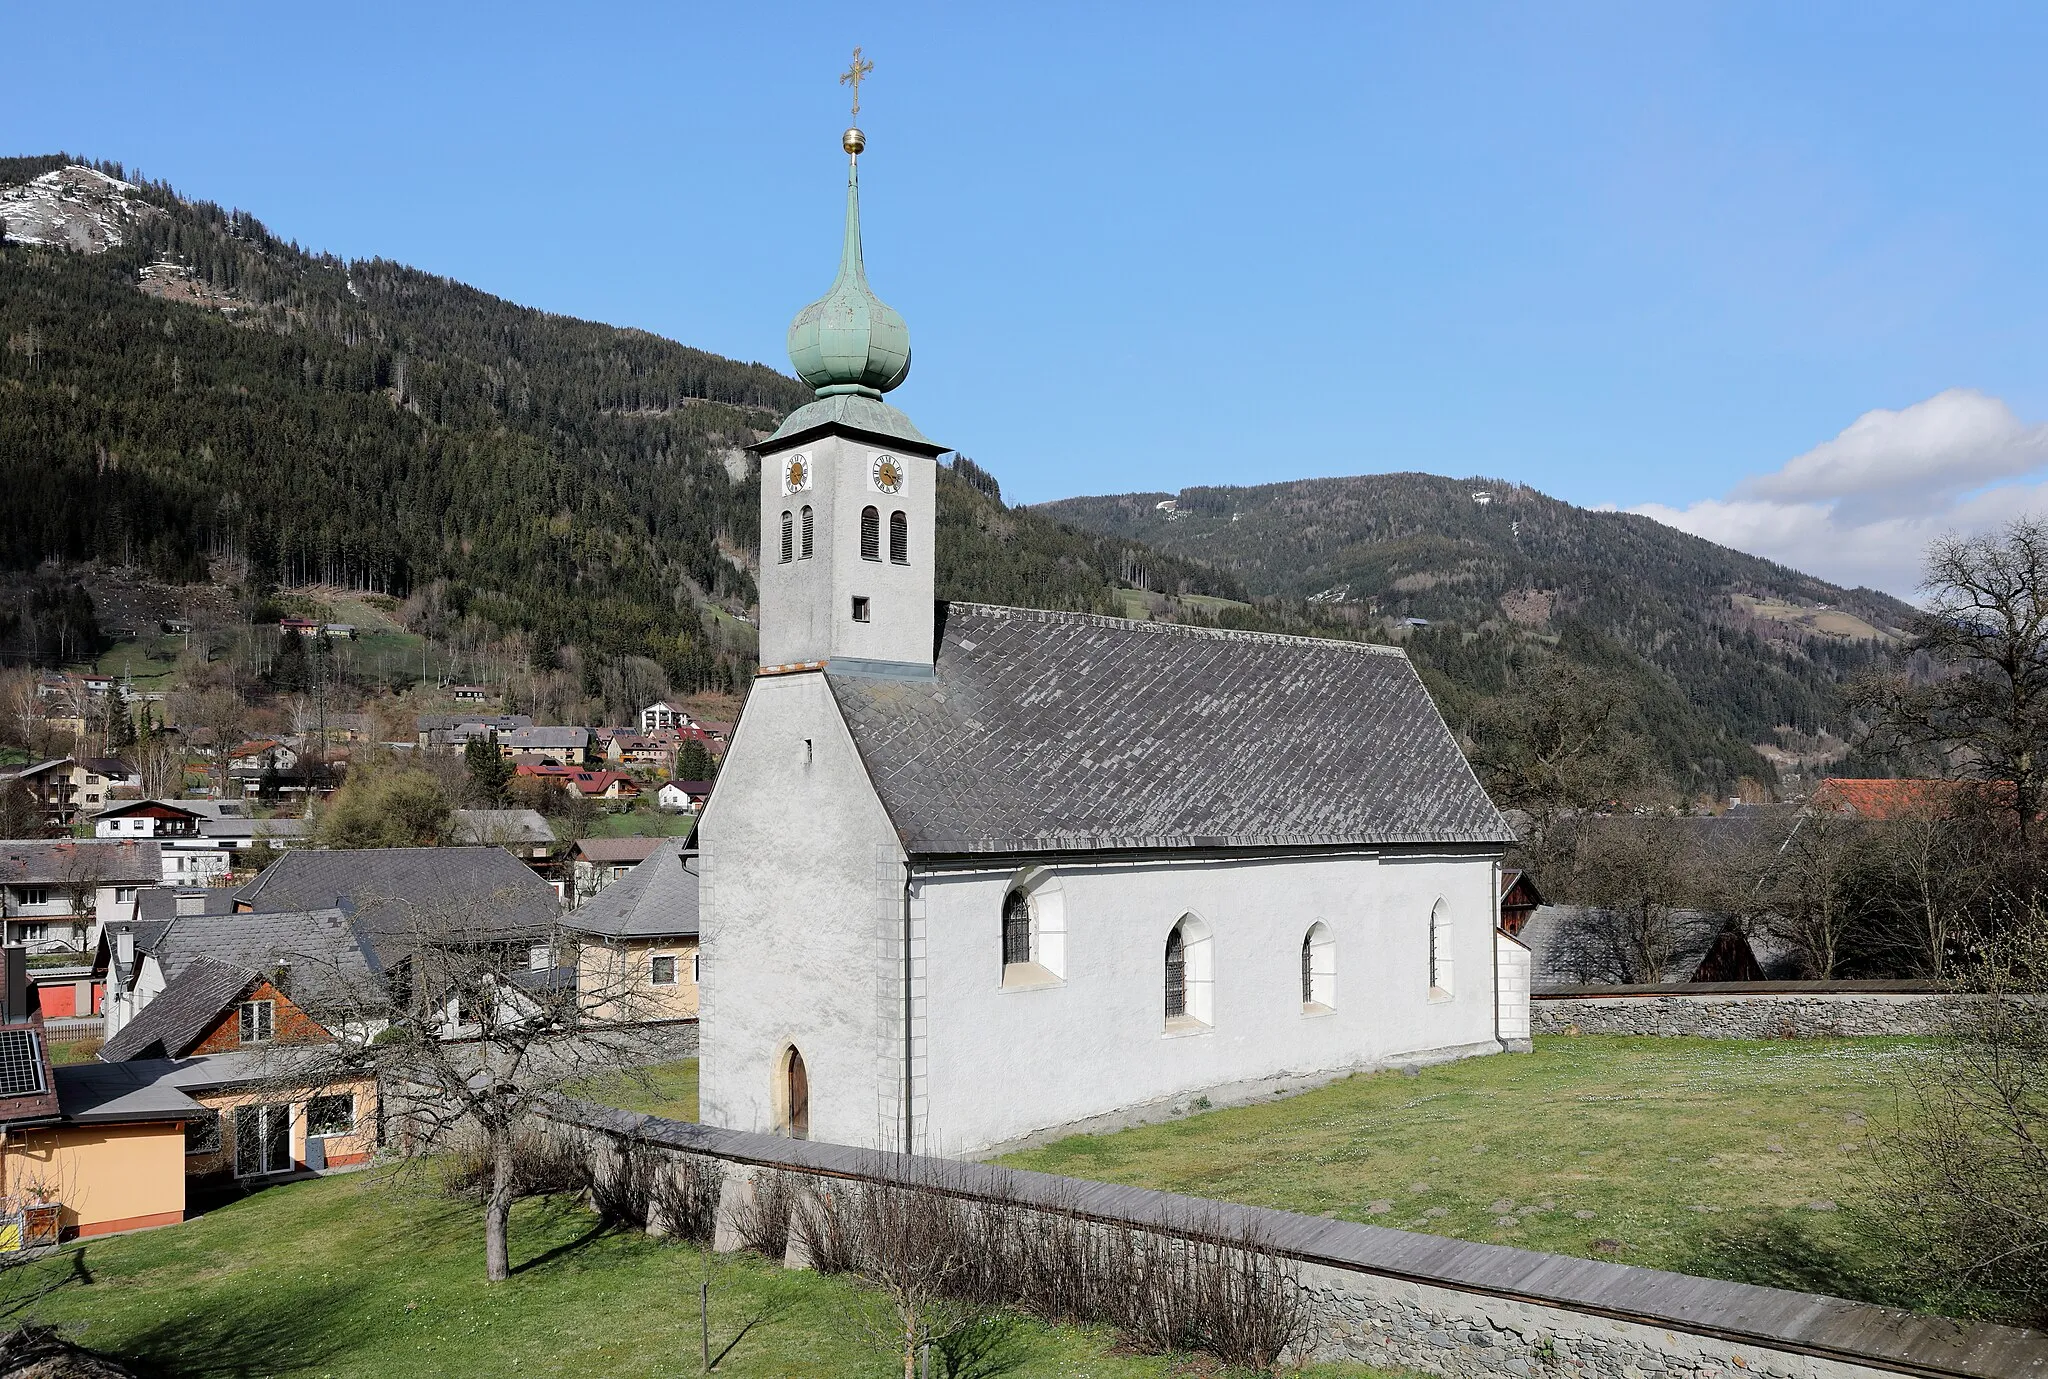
[(74, 207)]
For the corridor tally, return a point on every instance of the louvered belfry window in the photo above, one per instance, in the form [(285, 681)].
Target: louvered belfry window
[(899, 539), (1016, 928), (788, 541), (807, 532), (1176, 976), (870, 534)]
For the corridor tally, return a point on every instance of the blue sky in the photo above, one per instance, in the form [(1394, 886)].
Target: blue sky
[(1646, 255)]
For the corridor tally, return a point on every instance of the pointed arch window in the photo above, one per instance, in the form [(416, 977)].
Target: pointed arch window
[(1034, 928), (870, 534), (806, 547), (899, 539), (788, 538), (1016, 928)]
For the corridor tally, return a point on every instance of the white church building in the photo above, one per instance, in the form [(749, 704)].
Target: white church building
[(972, 875)]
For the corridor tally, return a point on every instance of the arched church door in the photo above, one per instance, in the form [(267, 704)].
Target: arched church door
[(796, 1084)]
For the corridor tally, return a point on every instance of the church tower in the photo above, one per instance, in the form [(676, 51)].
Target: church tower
[(847, 488)]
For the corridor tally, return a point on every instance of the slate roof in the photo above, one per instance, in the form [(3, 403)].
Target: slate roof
[(330, 960), (101, 1093), (382, 887), (617, 849), (180, 1015), (657, 899), (496, 826), (1052, 732), (59, 860), (161, 902)]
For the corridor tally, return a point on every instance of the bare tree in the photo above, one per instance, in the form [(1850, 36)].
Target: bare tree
[(1557, 744), (84, 871), (221, 715), (1986, 624), (483, 1026), (1818, 887), (1964, 1171), (1635, 877), (159, 759)]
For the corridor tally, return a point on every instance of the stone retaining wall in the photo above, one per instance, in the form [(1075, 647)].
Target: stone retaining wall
[(1747, 1015), (1427, 1303)]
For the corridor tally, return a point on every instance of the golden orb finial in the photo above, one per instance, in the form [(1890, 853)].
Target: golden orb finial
[(853, 141)]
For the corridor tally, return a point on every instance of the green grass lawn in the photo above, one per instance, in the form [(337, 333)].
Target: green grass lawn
[(642, 823), (1715, 1157), (661, 1089), (148, 659), (377, 1275)]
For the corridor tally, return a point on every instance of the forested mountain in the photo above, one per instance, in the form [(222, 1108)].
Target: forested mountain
[(1724, 654), (183, 392)]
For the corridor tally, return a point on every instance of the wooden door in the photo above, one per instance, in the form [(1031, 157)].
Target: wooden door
[(798, 1081)]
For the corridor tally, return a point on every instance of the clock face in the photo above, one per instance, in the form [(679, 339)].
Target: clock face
[(796, 474), (887, 473)]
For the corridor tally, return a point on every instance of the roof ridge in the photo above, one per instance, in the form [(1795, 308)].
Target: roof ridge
[(1176, 628)]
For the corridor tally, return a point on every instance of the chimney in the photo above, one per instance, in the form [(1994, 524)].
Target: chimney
[(190, 903), (16, 964), (124, 948)]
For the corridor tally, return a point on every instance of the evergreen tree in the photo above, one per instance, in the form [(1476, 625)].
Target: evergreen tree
[(489, 773)]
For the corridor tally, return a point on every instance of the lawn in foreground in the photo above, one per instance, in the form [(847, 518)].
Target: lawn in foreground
[(668, 1090), (377, 1275), (1722, 1158)]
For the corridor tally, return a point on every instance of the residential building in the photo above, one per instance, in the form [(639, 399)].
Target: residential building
[(977, 874), (468, 694), (656, 717), (55, 894), (592, 785), (457, 730), (638, 959), (94, 779), (597, 862), (684, 796), (560, 746), (50, 785), (200, 840), (634, 752), (521, 832)]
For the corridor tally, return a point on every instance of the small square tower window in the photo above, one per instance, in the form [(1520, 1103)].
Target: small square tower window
[(860, 608)]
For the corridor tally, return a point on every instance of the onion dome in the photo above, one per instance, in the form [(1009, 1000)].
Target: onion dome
[(849, 340)]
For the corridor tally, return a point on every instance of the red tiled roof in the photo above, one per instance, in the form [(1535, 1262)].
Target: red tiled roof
[(1886, 799)]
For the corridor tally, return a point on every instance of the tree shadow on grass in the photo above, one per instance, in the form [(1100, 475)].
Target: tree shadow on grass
[(244, 1337), (1841, 1256)]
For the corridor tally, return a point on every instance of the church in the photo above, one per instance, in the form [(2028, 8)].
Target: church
[(975, 875)]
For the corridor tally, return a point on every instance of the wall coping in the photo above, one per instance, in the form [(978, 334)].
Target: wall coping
[(1869, 987), (1804, 1323)]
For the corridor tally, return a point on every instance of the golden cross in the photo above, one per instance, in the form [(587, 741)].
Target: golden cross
[(854, 76)]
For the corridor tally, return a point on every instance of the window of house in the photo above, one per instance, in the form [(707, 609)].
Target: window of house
[(1440, 950), (899, 539), (331, 1115), (804, 551), (788, 538), (663, 970), (202, 1133), (124, 895), (540, 957), (1318, 969), (34, 933), (1189, 975), (255, 1020), (860, 608), (870, 534), (35, 895)]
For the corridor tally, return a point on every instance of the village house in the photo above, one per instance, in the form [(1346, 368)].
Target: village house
[(451, 731), (634, 752), (95, 779), (261, 756), (468, 694), (684, 796), (92, 1148), (591, 785), (638, 960), (521, 832), (656, 717), (559, 746), (49, 783), (200, 840), (597, 862), (56, 894)]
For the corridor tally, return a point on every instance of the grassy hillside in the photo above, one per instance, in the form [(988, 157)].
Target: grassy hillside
[(203, 400), (1733, 663)]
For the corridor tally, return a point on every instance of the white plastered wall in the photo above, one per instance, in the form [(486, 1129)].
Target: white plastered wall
[(798, 888), (1007, 1064)]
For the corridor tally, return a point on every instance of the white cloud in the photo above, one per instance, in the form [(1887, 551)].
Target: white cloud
[(1861, 508)]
